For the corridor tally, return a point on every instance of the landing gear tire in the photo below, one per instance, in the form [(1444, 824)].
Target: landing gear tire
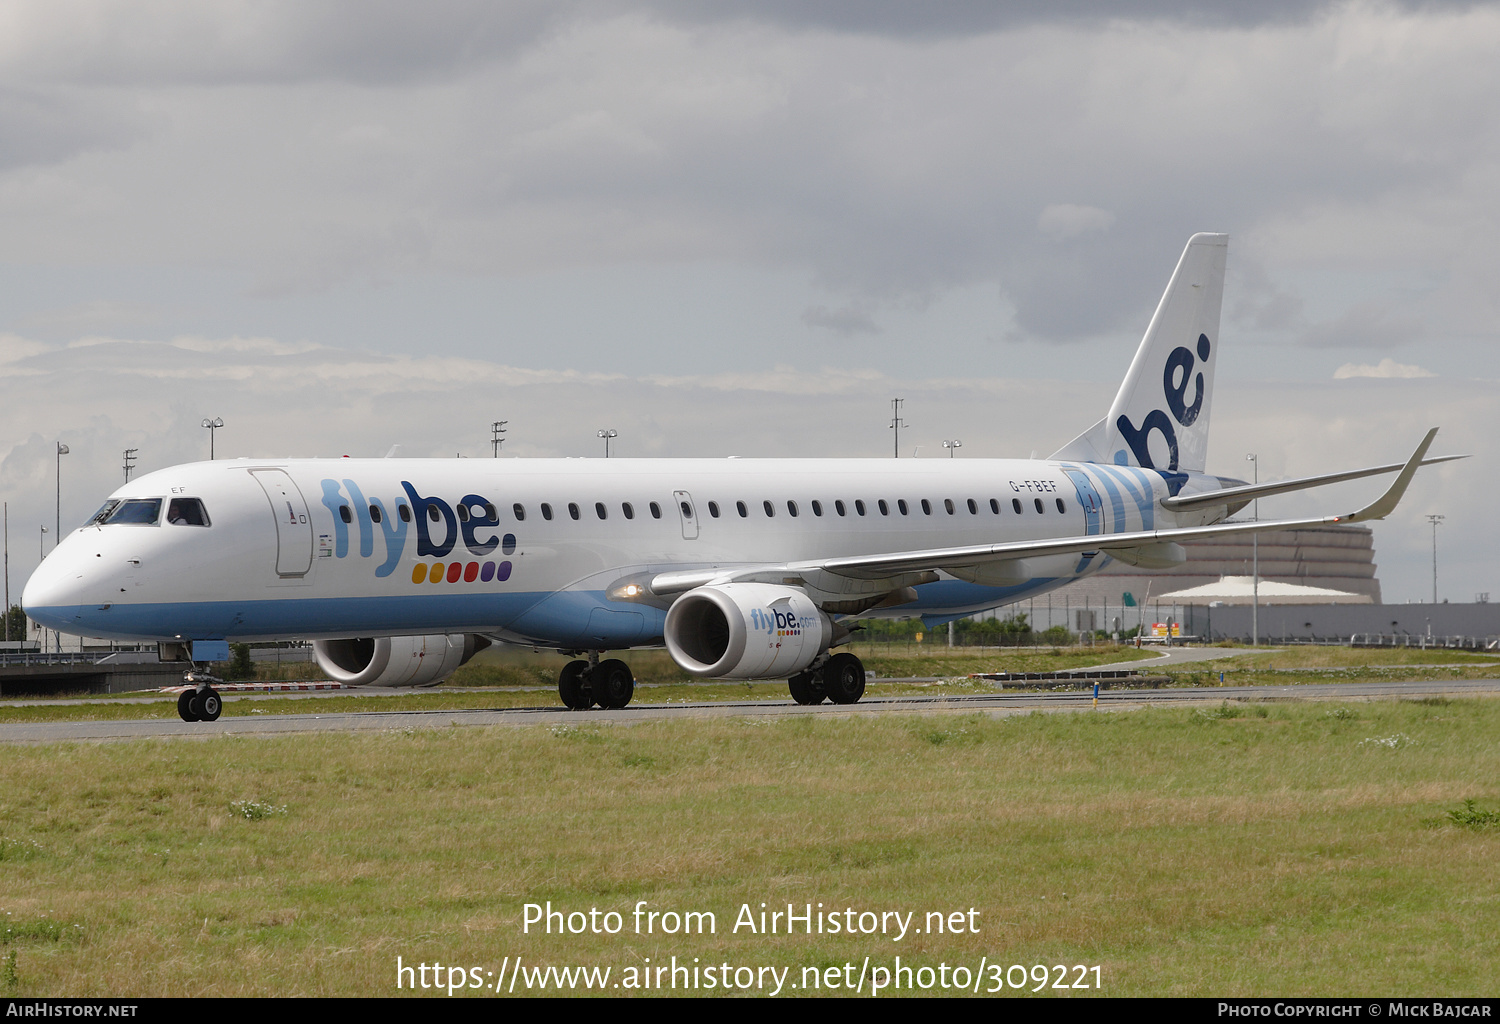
[(612, 683), (209, 705), (573, 685), (806, 687), (185, 706), (844, 679)]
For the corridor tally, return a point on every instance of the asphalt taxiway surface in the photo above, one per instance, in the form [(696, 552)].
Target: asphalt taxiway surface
[(988, 703)]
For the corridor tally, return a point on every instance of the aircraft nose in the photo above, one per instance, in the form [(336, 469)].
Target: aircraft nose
[(55, 595)]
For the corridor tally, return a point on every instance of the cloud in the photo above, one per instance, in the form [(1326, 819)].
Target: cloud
[(1068, 221), (1365, 325), (846, 322), (1385, 368)]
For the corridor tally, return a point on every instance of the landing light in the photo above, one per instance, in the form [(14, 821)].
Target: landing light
[(629, 592)]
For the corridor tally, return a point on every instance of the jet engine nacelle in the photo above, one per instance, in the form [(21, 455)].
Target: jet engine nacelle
[(746, 631), (396, 660)]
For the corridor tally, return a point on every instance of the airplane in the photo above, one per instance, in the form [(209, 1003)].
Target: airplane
[(400, 570)]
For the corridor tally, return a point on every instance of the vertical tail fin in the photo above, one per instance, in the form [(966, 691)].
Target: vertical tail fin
[(1159, 419)]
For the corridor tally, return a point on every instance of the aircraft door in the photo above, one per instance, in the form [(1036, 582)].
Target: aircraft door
[(1088, 497), (294, 532), (688, 513)]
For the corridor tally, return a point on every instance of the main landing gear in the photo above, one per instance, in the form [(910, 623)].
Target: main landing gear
[(841, 679), (202, 702), (582, 684)]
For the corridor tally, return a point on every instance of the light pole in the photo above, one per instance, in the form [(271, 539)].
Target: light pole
[(62, 450), (211, 425), (496, 429), (897, 422), (1434, 520), (952, 447), (41, 557), (1255, 562), (607, 434), (129, 462)]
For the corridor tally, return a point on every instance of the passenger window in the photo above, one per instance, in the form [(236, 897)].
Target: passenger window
[(995, 505), (600, 510), (948, 505), (713, 509), (1015, 503), (885, 509), (770, 509), (926, 507), (628, 509), (1038, 503), (463, 513), (187, 512), (838, 506), (791, 507), (520, 512), (739, 507), (687, 510), (1061, 507), (817, 507), (489, 512), (573, 509), (432, 513), (859, 505), (655, 510), (348, 516), (374, 513), (901, 504), (973, 507), (546, 511)]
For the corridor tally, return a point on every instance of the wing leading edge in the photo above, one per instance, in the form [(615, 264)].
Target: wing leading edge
[(895, 565)]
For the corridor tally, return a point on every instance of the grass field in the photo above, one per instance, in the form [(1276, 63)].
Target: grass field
[(1229, 850)]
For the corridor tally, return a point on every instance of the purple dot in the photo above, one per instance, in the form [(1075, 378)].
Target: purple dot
[(503, 573), (487, 572)]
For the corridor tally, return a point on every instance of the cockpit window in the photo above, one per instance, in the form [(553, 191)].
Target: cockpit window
[(187, 512), (104, 511), (135, 512)]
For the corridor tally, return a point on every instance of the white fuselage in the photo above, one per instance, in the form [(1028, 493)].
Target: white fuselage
[(530, 550)]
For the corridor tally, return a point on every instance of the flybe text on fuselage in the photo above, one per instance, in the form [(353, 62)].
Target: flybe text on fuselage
[(438, 527)]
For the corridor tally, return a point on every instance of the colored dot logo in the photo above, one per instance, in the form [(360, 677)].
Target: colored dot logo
[(453, 572)]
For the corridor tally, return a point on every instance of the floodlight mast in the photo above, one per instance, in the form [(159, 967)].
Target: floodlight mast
[(212, 425), (897, 423), (1255, 562)]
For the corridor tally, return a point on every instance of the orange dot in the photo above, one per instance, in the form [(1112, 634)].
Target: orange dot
[(419, 573), (436, 576)]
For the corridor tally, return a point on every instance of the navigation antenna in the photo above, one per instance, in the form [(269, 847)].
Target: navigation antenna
[(897, 422), (496, 429)]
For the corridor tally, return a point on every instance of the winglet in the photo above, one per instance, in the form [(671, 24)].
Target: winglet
[(1386, 503)]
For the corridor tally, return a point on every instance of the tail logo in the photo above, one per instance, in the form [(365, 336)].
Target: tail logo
[(1175, 378)]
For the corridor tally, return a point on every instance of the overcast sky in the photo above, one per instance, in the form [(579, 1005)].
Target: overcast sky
[(741, 228)]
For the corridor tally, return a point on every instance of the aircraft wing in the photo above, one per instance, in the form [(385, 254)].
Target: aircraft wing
[(899, 563)]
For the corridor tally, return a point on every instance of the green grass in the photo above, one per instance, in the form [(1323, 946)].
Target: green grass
[(1260, 850)]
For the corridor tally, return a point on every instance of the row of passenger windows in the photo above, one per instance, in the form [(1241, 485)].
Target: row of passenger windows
[(627, 509)]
